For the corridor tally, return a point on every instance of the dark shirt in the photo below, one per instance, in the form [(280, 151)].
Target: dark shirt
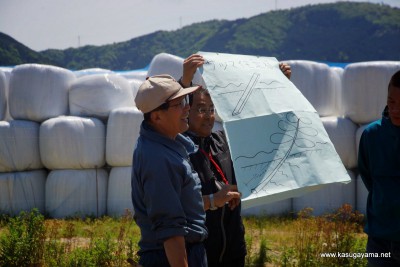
[(379, 166), (225, 241)]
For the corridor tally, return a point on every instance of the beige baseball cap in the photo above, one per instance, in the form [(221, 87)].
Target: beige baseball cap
[(159, 89)]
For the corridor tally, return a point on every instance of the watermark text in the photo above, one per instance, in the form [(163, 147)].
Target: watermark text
[(355, 255)]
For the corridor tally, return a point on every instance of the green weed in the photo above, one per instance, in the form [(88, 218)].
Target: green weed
[(290, 241), (23, 242), (331, 233)]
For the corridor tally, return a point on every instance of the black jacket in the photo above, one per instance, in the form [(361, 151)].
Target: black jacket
[(225, 240)]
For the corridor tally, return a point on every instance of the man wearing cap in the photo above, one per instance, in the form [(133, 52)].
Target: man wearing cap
[(166, 192)]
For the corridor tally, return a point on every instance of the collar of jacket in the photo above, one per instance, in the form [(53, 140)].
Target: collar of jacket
[(202, 142), (182, 144)]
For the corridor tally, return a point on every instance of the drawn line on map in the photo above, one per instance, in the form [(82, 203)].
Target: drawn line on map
[(294, 131), (260, 152), (228, 85), (280, 163), (253, 84), (277, 184), (246, 94), (239, 64), (269, 87)]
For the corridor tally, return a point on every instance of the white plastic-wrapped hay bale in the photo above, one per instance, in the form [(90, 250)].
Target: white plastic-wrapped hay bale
[(39, 92), (19, 146), (97, 95), (365, 87), (78, 193), (135, 84), (359, 132), (164, 63), (91, 71), (318, 83), (140, 75), (362, 195), (3, 95), (7, 71), (119, 198), (329, 198), (275, 208), (337, 77), (342, 132), (22, 191), (69, 142), (5, 82), (122, 132)]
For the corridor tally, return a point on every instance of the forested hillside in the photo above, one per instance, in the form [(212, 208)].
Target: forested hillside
[(339, 32)]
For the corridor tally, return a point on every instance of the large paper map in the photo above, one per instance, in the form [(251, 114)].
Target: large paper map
[(279, 146)]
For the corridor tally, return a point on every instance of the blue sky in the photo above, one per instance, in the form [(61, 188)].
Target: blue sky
[(60, 24)]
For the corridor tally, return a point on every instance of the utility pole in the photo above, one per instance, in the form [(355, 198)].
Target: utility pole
[(79, 41)]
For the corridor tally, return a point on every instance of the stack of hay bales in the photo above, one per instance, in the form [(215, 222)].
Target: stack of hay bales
[(74, 146), (3, 95), (361, 99), (66, 139), (122, 132), (36, 93), (52, 153)]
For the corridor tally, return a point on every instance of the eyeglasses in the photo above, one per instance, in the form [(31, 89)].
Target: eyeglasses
[(182, 104), (203, 110)]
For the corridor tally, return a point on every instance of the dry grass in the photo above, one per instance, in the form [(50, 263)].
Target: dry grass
[(272, 241), (299, 240)]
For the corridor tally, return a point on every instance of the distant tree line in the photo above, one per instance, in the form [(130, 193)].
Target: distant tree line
[(338, 32)]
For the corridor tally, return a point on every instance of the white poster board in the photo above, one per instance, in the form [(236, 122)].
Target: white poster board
[(279, 146)]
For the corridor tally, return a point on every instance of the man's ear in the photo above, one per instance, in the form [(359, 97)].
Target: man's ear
[(156, 116)]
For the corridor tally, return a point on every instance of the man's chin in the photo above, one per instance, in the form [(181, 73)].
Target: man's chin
[(185, 127), (206, 133), (395, 121)]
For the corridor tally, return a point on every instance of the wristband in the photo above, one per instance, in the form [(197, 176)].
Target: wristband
[(212, 204)]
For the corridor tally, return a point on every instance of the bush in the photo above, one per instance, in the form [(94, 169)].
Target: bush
[(24, 241), (332, 233)]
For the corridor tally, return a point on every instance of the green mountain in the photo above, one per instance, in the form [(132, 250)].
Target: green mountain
[(339, 32), (14, 53)]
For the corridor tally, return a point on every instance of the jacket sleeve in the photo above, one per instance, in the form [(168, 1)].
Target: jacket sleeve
[(162, 188), (363, 162)]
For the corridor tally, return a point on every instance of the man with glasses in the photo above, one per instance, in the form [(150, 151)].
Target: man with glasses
[(225, 244), (166, 192)]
